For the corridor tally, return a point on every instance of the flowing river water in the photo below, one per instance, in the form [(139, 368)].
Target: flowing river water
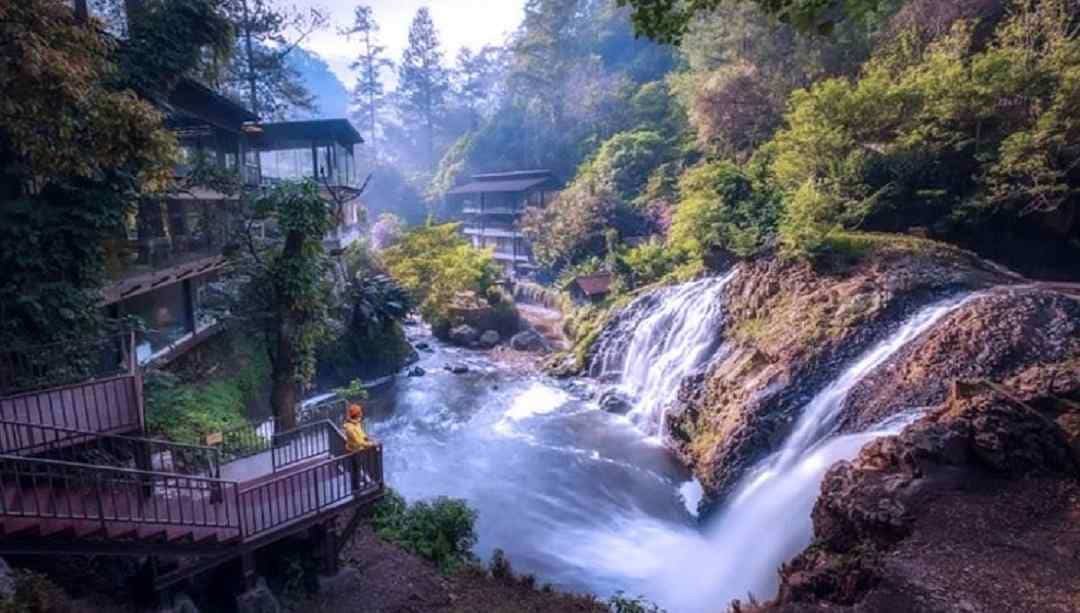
[(591, 501)]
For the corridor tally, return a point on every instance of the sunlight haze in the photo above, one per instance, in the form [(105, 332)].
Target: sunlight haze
[(461, 23)]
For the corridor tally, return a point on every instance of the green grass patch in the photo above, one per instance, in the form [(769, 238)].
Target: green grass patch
[(186, 411)]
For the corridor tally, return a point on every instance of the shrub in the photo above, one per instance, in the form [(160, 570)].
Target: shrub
[(974, 141), (186, 411), (34, 593), (723, 207), (647, 263), (436, 265), (621, 603), (442, 530)]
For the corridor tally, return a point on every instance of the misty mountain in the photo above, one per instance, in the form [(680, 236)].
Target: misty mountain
[(330, 93)]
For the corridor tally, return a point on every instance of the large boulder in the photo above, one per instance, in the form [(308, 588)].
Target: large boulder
[(464, 335), (972, 508), (529, 340), (490, 338)]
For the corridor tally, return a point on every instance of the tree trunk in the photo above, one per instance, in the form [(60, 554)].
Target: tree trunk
[(285, 395), (252, 95)]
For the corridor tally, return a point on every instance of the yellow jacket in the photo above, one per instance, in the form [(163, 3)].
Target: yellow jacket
[(355, 438)]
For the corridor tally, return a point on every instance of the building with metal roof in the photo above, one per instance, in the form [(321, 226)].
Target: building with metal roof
[(493, 204)]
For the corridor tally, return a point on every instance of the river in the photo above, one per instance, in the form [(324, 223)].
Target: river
[(587, 500), (545, 469)]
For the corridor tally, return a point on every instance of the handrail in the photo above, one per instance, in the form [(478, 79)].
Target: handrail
[(23, 439), (305, 442), (57, 489), (309, 491), (30, 368)]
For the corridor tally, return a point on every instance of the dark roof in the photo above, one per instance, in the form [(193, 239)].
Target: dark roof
[(513, 185), (506, 182), (596, 284), (191, 101), (293, 134), (514, 174)]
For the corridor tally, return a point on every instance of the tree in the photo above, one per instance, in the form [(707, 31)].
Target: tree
[(78, 147), (287, 294), (437, 266), (476, 81), (667, 21), (259, 72), (368, 96), (423, 81)]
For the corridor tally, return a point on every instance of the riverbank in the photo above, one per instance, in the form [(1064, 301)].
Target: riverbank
[(380, 577)]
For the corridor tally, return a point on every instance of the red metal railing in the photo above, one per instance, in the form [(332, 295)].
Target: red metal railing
[(80, 496), (65, 363), (116, 498), (316, 489), (81, 447)]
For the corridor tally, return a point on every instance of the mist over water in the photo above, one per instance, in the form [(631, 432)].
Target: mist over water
[(583, 498)]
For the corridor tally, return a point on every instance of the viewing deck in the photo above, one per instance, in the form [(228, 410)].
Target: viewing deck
[(70, 484)]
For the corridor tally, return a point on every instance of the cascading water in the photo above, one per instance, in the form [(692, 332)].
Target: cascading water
[(767, 520), (678, 335)]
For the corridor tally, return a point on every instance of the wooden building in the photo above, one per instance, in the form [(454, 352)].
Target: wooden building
[(163, 271), (493, 205)]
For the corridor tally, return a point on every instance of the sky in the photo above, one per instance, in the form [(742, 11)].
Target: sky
[(468, 23)]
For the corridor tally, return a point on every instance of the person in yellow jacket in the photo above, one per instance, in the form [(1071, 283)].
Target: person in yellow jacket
[(355, 437)]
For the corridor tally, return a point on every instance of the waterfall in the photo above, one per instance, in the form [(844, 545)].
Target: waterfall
[(767, 520), (666, 336)]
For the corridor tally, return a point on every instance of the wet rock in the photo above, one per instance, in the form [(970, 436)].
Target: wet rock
[(614, 401), (529, 340), (422, 346), (182, 603), (417, 371), (7, 581), (457, 369), (489, 339), (956, 504), (258, 600), (464, 335)]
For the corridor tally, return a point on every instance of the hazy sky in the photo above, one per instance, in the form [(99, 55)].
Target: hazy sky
[(470, 23)]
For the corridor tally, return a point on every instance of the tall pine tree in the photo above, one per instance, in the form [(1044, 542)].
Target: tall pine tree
[(423, 82), (368, 95), (259, 73)]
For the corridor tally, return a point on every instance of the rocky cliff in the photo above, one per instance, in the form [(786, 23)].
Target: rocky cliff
[(973, 508), (792, 326)]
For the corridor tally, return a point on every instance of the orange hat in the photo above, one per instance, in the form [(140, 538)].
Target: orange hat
[(355, 411)]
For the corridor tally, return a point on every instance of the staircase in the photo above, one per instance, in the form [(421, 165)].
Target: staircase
[(72, 490)]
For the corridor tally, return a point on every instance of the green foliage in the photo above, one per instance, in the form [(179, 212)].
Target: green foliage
[(187, 412), (438, 267), (34, 593), (77, 147), (621, 603), (423, 81), (624, 161), (607, 195), (648, 263), (723, 207), (353, 392), (964, 141), (667, 21), (441, 530), (376, 301)]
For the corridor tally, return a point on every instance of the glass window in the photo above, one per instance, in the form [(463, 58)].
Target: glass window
[(165, 315)]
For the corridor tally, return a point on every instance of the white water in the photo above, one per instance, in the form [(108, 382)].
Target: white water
[(667, 343), (767, 520)]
